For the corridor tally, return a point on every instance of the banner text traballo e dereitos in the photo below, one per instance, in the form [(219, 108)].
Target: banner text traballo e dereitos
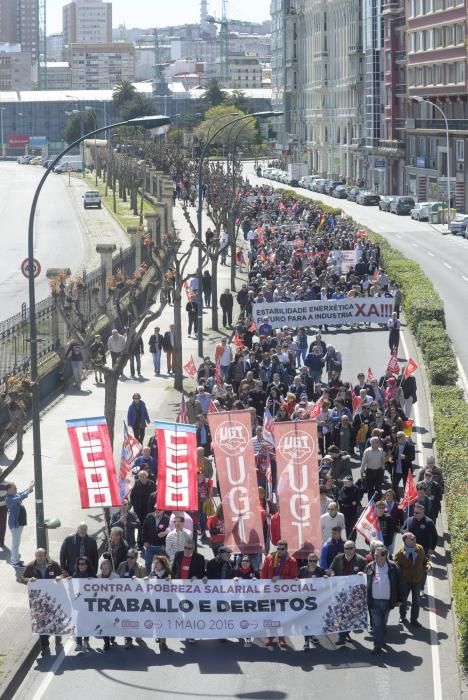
[(330, 312)]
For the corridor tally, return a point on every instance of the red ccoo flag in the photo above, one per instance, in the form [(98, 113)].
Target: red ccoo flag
[(190, 367), (393, 366), (410, 368), (410, 494), (315, 410)]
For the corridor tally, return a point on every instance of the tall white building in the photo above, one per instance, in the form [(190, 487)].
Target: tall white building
[(101, 66), (317, 79), (87, 21)]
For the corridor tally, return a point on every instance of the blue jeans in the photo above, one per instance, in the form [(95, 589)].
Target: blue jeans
[(379, 611), (150, 551), (157, 361), (301, 354)]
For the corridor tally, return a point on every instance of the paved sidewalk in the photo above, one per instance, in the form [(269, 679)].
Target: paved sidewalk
[(61, 496)]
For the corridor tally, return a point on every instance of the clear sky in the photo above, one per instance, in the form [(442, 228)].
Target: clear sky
[(158, 13)]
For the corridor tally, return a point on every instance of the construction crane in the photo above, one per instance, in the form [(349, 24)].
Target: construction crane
[(159, 84), (223, 42), (41, 45)]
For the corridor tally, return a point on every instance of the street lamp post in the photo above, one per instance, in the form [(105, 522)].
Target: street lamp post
[(209, 141), (2, 109), (149, 123), (420, 100)]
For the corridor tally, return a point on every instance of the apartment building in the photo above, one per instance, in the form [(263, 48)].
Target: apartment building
[(15, 68), (19, 24), (437, 70), (87, 21), (101, 66)]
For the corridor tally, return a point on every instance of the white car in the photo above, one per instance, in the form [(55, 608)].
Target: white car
[(421, 211), (92, 198)]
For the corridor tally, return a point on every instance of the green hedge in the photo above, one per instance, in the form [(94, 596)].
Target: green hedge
[(424, 311)]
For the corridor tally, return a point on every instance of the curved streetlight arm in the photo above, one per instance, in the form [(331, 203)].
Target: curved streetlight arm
[(35, 414)]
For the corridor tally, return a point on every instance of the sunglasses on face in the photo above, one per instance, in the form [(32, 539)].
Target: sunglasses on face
[(350, 548), (130, 557)]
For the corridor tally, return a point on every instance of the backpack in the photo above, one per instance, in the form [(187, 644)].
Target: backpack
[(22, 516)]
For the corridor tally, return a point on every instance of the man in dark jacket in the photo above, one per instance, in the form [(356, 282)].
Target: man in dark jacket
[(226, 302), (347, 564), (387, 525), (127, 520), (349, 501), (403, 455), (44, 568), (383, 594), (188, 564), (221, 566), (155, 530), (139, 499), (423, 528), (135, 358), (155, 344), (169, 348), (333, 546), (79, 545)]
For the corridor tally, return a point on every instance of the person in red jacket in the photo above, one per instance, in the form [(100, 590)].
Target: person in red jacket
[(278, 565)]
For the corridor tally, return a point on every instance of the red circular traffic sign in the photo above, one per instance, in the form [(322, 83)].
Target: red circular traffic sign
[(25, 267)]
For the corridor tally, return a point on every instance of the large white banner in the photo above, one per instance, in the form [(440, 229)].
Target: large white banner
[(215, 610), (330, 312)]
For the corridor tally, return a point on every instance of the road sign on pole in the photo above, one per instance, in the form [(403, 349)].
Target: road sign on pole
[(25, 268)]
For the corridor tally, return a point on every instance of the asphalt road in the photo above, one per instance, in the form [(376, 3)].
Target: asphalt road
[(63, 236), (212, 669), (444, 258)]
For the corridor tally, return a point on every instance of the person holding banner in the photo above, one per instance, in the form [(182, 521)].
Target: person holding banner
[(83, 570), (347, 564), (311, 570), (106, 571), (276, 566)]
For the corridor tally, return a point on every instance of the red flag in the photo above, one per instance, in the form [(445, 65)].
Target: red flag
[(393, 366), (177, 466), (370, 375), (212, 407), (238, 341), (410, 368), (298, 485), (268, 427), (182, 416), (368, 524), (253, 327), (315, 410), (375, 278), (190, 367), (356, 402), (130, 449), (262, 256), (235, 466), (94, 462), (410, 494)]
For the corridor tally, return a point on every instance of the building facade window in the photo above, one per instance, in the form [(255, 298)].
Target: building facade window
[(460, 150)]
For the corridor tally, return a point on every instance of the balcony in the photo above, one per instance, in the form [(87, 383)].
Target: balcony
[(439, 124), (400, 89), (400, 56), (392, 145)]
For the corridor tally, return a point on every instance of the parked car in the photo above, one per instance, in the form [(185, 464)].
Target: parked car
[(331, 186), (458, 225), (306, 181), (352, 193), (92, 198), (24, 160), (35, 161), (402, 206), (339, 192), (424, 210), (317, 184), (367, 198), (323, 187), (385, 201)]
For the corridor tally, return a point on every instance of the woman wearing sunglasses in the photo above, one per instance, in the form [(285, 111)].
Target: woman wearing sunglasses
[(83, 569), (311, 570)]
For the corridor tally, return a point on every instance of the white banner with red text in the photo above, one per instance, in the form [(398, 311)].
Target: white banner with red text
[(298, 486), (177, 466), (328, 312), (215, 610), (94, 462), (231, 434)]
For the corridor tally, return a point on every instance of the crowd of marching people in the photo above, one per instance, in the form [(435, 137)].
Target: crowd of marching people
[(367, 456)]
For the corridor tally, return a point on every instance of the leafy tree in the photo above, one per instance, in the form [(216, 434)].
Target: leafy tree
[(85, 120), (138, 106), (214, 96), (242, 133), (239, 100)]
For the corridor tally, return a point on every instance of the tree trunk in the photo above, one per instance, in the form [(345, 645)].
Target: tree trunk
[(214, 293), (233, 260), (110, 399), (179, 373)]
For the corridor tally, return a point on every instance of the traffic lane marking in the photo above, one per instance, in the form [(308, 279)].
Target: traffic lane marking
[(449, 267)]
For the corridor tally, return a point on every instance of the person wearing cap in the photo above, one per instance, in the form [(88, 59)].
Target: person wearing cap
[(221, 567), (333, 546), (437, 476), (154, 532), (349, 501)]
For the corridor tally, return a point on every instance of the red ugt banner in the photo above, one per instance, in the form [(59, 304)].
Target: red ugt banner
[(177, 466), (298, 486), (231, 433), (94, 462)]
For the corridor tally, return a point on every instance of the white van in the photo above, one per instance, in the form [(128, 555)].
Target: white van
[(92, 198), (75, 166)]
